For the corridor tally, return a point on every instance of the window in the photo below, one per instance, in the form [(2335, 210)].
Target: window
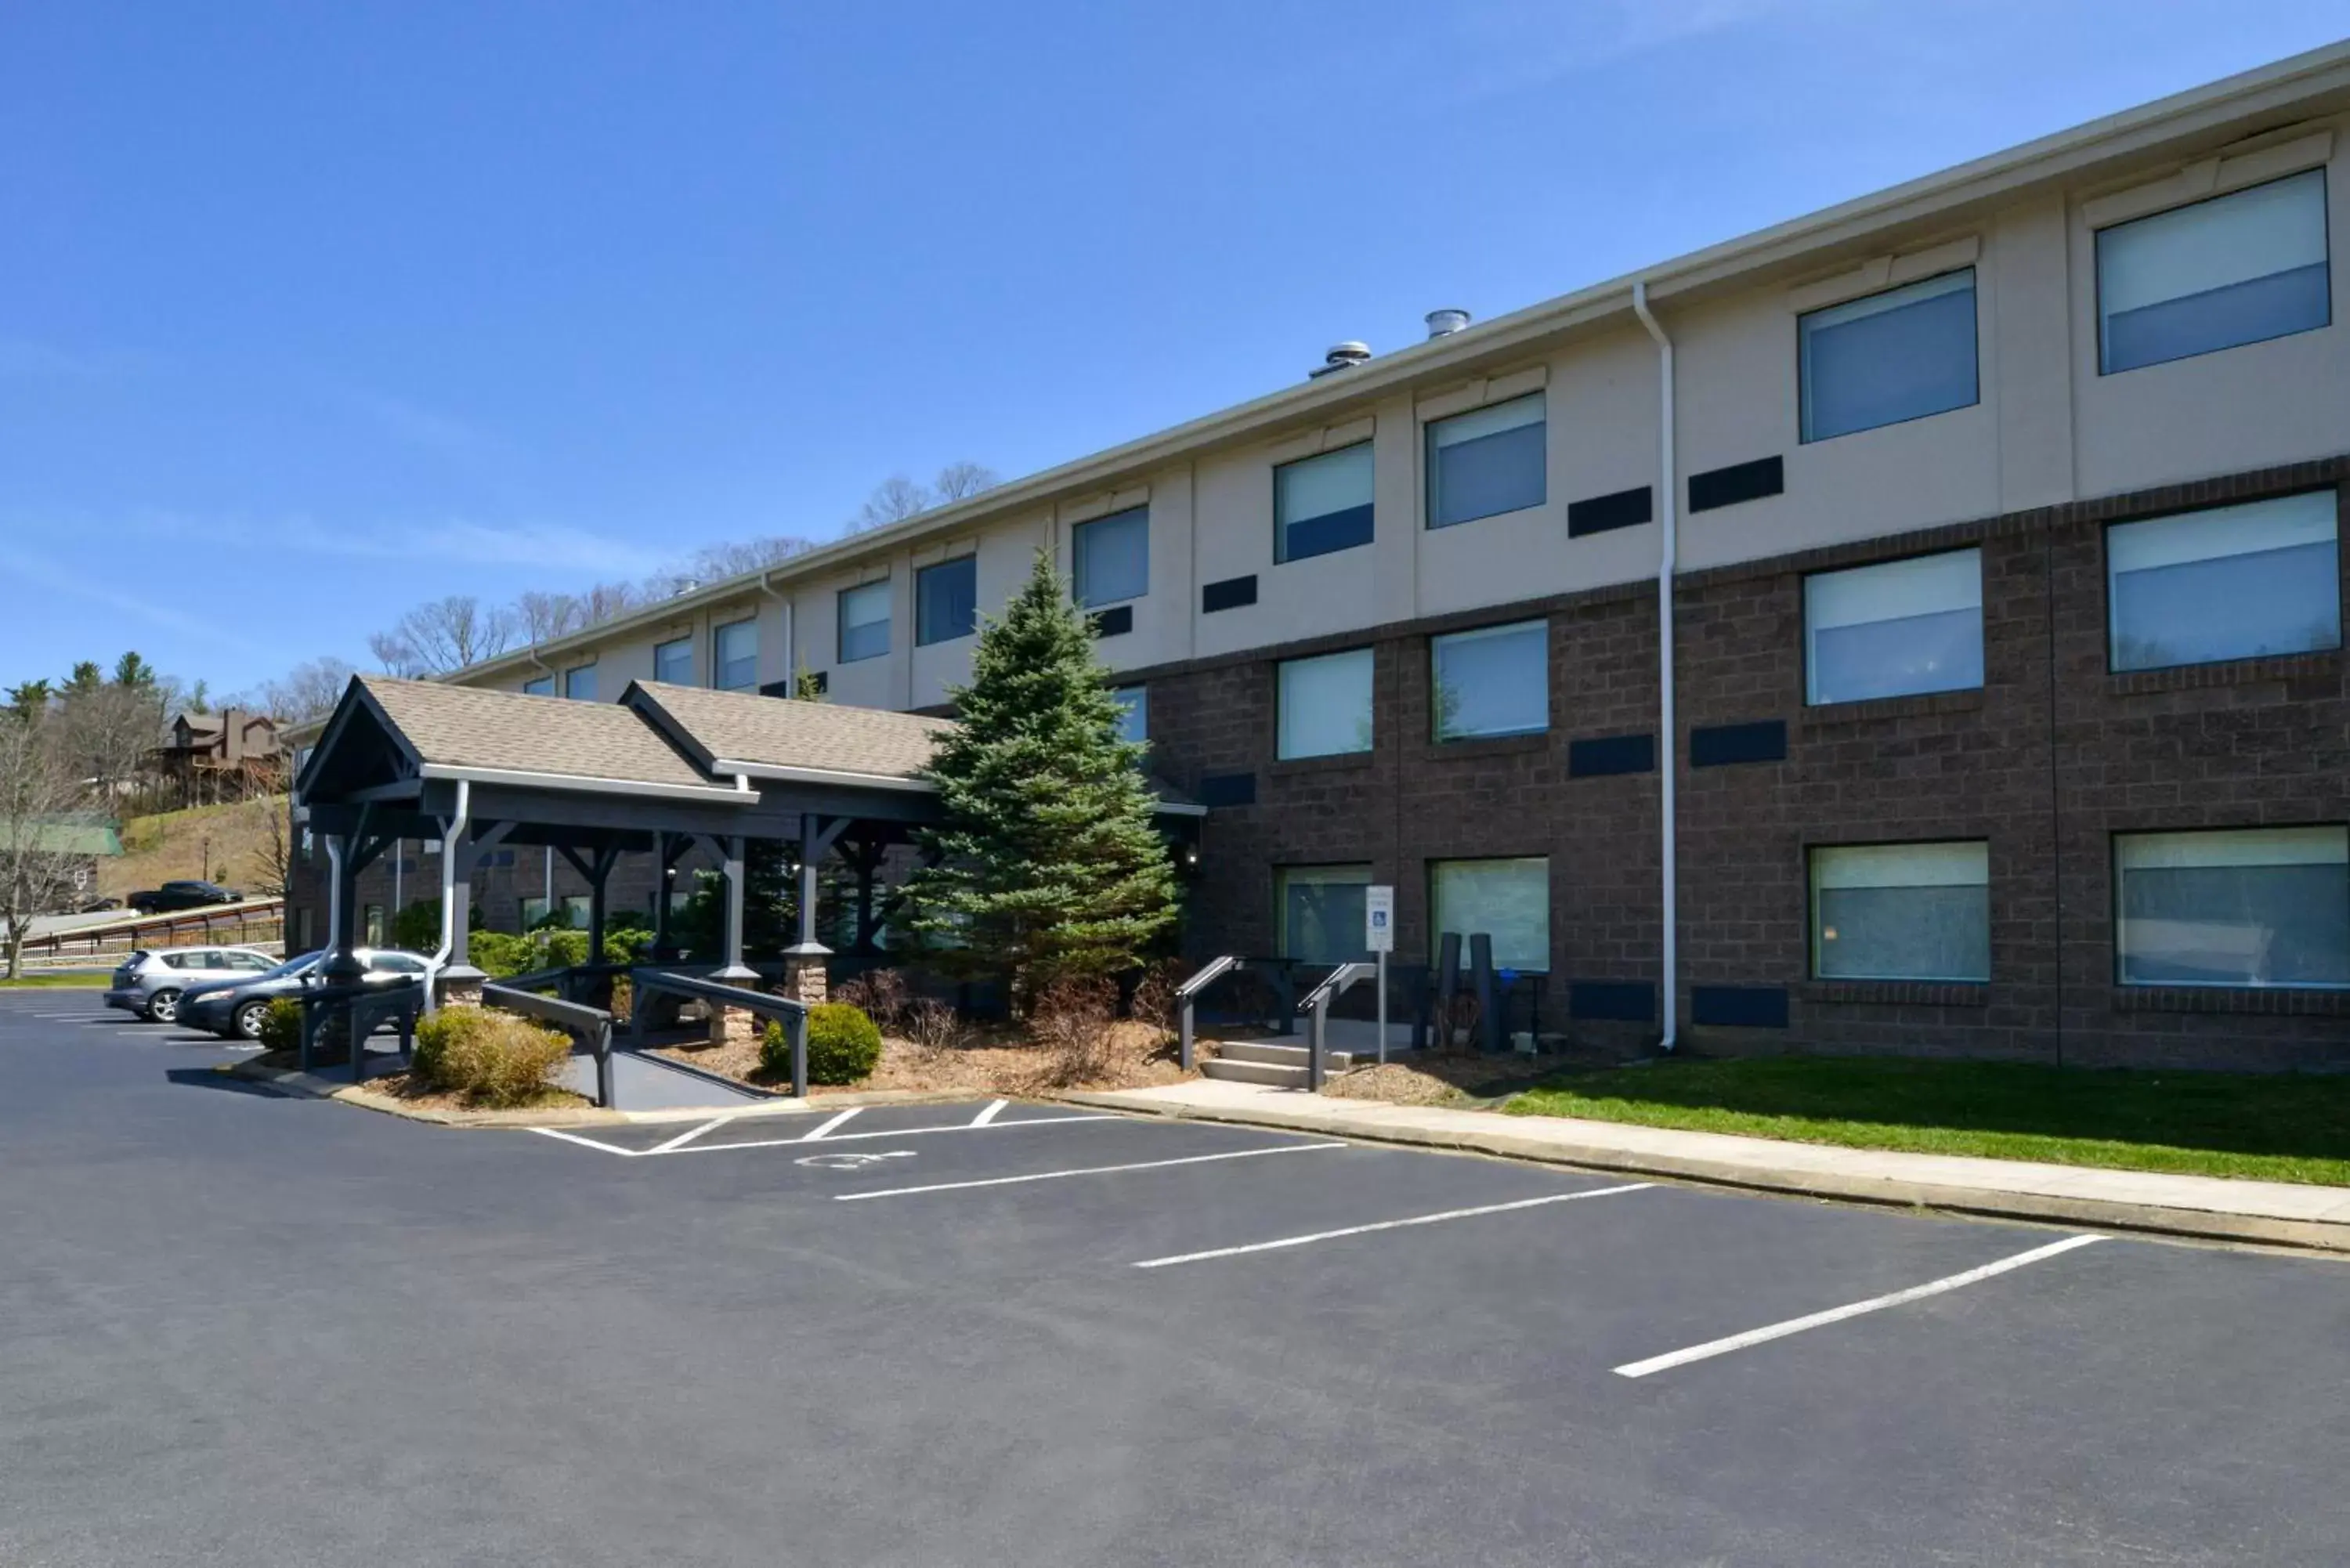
[(946, 600), (673, 662), (734, 656), (1322, 504), (1509, 900), (1325, 705), (579, 683), (2239, 268), (1112, 557), (397, 963), (864, 621), (533, 911), (1134, 713), (1485, 463), (2241, 907), (1894, 630), (1322, 912), (1900, 355), (544, 686), (574, 910), (2236, 582), (1901, 911), (1494, 680), (371, 925)]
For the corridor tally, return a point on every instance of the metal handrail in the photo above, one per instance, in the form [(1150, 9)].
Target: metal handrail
[(1318, 1001), (1187, 996), (647, 979), (592, 1024), (365, 1007)]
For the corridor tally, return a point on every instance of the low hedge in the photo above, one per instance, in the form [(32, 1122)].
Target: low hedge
[(844, 1045), (487, 1057)]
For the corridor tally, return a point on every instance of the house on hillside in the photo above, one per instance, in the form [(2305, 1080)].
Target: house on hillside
[(228, 756), (72, 847)]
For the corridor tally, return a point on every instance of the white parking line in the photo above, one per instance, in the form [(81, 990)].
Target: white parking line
[(687, 1137), (835, 1122), (989, 1112), (1837, 1314), (902, 1132), (1086, 1170), (587, 1142), (1390, 1225)]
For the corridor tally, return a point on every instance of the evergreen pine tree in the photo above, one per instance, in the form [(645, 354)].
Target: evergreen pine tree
[(1049, 864)]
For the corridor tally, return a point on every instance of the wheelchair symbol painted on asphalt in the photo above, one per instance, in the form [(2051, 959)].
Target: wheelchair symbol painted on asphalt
[(851, 1161)]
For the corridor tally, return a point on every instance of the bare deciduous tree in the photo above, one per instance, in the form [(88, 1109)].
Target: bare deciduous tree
[(712, 562), (446, 634), (961, 480), (273, 861), (893, 500), (608, 601), (308, 690), (542, 617), (36, 789)]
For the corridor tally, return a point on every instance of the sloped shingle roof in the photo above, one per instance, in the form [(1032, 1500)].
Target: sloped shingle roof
[(469, 726), (742, 727)]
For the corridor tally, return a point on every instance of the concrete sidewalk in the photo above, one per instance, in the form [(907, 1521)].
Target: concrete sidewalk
[(2210, 1207)]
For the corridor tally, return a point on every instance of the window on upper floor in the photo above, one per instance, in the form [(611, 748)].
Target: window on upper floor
[(673, 661), (1322, 504), (539, 686), (734, 656), (2234, 582), (1134, 713), (1325, 705), (1509, 900), (1321, 911), (1900, 355), (946, 600), (2238, 906), (1901, 911), (1486, 462), (1111, 557), (1894, 630), (579, 683), (1494, 680), (2239, 268), (864, 621)]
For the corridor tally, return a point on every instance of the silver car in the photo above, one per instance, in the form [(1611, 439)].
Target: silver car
[(149, 983)]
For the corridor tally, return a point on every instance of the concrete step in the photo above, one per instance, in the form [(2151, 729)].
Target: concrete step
[(1280, 1054), (1272, 1074)]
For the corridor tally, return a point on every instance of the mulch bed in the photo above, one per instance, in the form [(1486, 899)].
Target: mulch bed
[(1464, 1079), (1138, 1057)]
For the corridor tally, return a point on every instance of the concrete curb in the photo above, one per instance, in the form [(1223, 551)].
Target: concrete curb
[(310, 1086), (2104, 1214)]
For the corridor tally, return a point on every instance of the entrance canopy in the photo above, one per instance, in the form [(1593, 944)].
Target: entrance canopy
[(663, 768)]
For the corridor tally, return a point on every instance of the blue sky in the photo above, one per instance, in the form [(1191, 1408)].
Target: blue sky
[(309, 312)]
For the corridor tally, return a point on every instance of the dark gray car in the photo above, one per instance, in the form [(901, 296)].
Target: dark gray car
[(234, 1011)]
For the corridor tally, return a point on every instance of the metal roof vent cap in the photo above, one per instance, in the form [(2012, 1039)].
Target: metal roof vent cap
[(1341, 357), (1446, 322)]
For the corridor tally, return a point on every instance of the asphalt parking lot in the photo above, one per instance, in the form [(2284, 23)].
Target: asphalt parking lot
[(241, 1329)]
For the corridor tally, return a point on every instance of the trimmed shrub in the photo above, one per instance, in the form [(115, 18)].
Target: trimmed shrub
[(844, 1045), (487, 1057), (281, 1025)]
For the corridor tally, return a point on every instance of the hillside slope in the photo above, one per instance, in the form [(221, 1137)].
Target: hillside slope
[(224, 843)]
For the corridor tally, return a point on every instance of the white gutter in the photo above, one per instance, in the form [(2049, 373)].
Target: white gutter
[(740, 795), (784, 772), (452, 829), (1668, 562)]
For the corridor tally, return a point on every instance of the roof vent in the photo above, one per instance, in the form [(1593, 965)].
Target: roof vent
[(1341, 357), (1446, 322)]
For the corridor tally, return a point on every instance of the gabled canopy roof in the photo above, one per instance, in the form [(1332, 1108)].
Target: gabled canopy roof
[(467, 727), (735, 733)]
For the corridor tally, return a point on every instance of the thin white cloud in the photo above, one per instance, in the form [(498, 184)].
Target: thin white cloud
[(1510, 46), (414, 424), (556, 547), (21, 359), (48, 576)]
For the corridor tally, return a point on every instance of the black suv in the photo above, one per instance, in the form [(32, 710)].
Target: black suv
[(188, 895)]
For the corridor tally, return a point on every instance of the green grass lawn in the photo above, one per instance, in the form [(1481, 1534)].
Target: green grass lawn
[(2280, 1127), (55, 982)]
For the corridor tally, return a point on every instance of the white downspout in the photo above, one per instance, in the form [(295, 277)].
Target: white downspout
[(452, 830), (1668, 562)]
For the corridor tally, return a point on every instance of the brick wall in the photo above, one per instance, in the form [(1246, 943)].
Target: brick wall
[(2046, 762)]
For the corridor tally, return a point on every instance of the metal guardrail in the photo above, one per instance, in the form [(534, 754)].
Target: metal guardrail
[(592, 1025), (647, 979), (1317, 1002), (365, 1009), (134, 931)]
